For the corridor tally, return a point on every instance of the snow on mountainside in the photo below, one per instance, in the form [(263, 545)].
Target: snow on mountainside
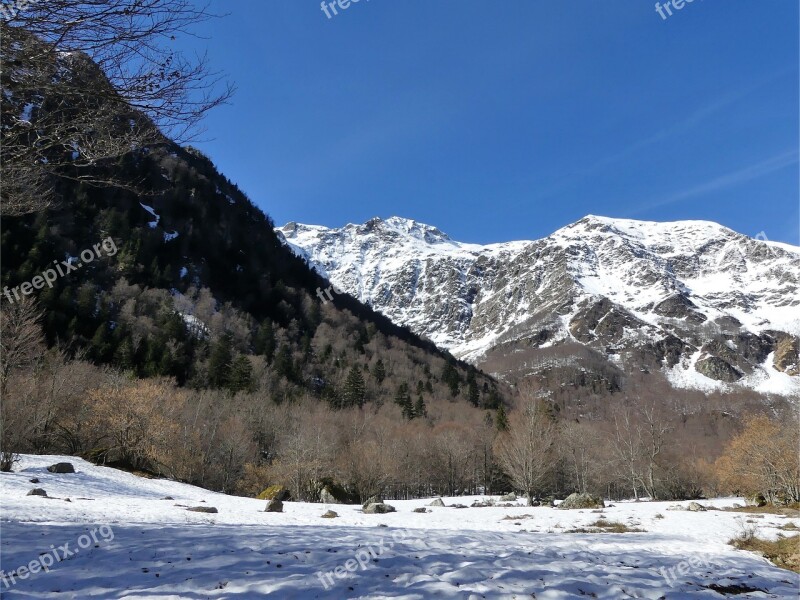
[(710, 307)]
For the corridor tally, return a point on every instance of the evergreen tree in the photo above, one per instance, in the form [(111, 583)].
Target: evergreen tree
[(501, 419), (284, 366), (220, 361), (403, 399), (124, 356), (473, 394), (379, 371), (265, 341), (420, 410), (355, 390), (451, 378), (241, 375), (100, 348)]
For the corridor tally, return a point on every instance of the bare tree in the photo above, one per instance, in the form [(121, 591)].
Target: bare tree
[(655, 430), (21, 339), (579, 449), (626, 444), (526, 451), (88, 81)]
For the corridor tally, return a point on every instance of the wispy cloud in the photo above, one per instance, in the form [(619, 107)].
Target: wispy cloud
[(729, 180), (689, 123)]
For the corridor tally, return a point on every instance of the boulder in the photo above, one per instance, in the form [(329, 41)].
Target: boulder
[(483, 503), (372, 500), (275, 492), (203, 509), (330, 515), (34, 480), (582, 501), (379, 508), (512, 497), (421, 510), (63, 467), (37, 492), (757, 500), (326, 497), (274, 505), (438, 502), (695, 507)]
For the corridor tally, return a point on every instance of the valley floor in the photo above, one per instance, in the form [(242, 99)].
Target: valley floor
[(118, 537)]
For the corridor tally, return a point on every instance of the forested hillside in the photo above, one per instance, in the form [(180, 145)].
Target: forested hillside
[(189, 311)]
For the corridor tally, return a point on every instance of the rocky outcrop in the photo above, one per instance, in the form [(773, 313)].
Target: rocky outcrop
[(787, 355), (717, 369)]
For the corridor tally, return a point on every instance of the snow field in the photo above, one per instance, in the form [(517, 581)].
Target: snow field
[(154, 548)]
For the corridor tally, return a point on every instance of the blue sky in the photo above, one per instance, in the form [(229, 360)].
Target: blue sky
[(508, 120)]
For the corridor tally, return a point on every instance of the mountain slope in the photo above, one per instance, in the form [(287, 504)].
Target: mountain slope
[(708, 306), (198, 288)]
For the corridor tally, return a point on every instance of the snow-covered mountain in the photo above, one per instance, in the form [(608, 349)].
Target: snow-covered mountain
[(710, 307)]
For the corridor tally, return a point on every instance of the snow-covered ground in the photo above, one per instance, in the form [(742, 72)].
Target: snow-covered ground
[(120, 538)]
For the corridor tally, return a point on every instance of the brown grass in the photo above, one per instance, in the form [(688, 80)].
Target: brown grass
[(603, 526), (783, 552), (793, 510)]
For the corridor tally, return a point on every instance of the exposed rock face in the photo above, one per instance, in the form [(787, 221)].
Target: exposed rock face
[(582, 501), (787, 355), (665, 296), (717, 369)]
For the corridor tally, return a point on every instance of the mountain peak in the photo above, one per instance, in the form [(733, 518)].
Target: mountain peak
[(681, 297), (408, 228)]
